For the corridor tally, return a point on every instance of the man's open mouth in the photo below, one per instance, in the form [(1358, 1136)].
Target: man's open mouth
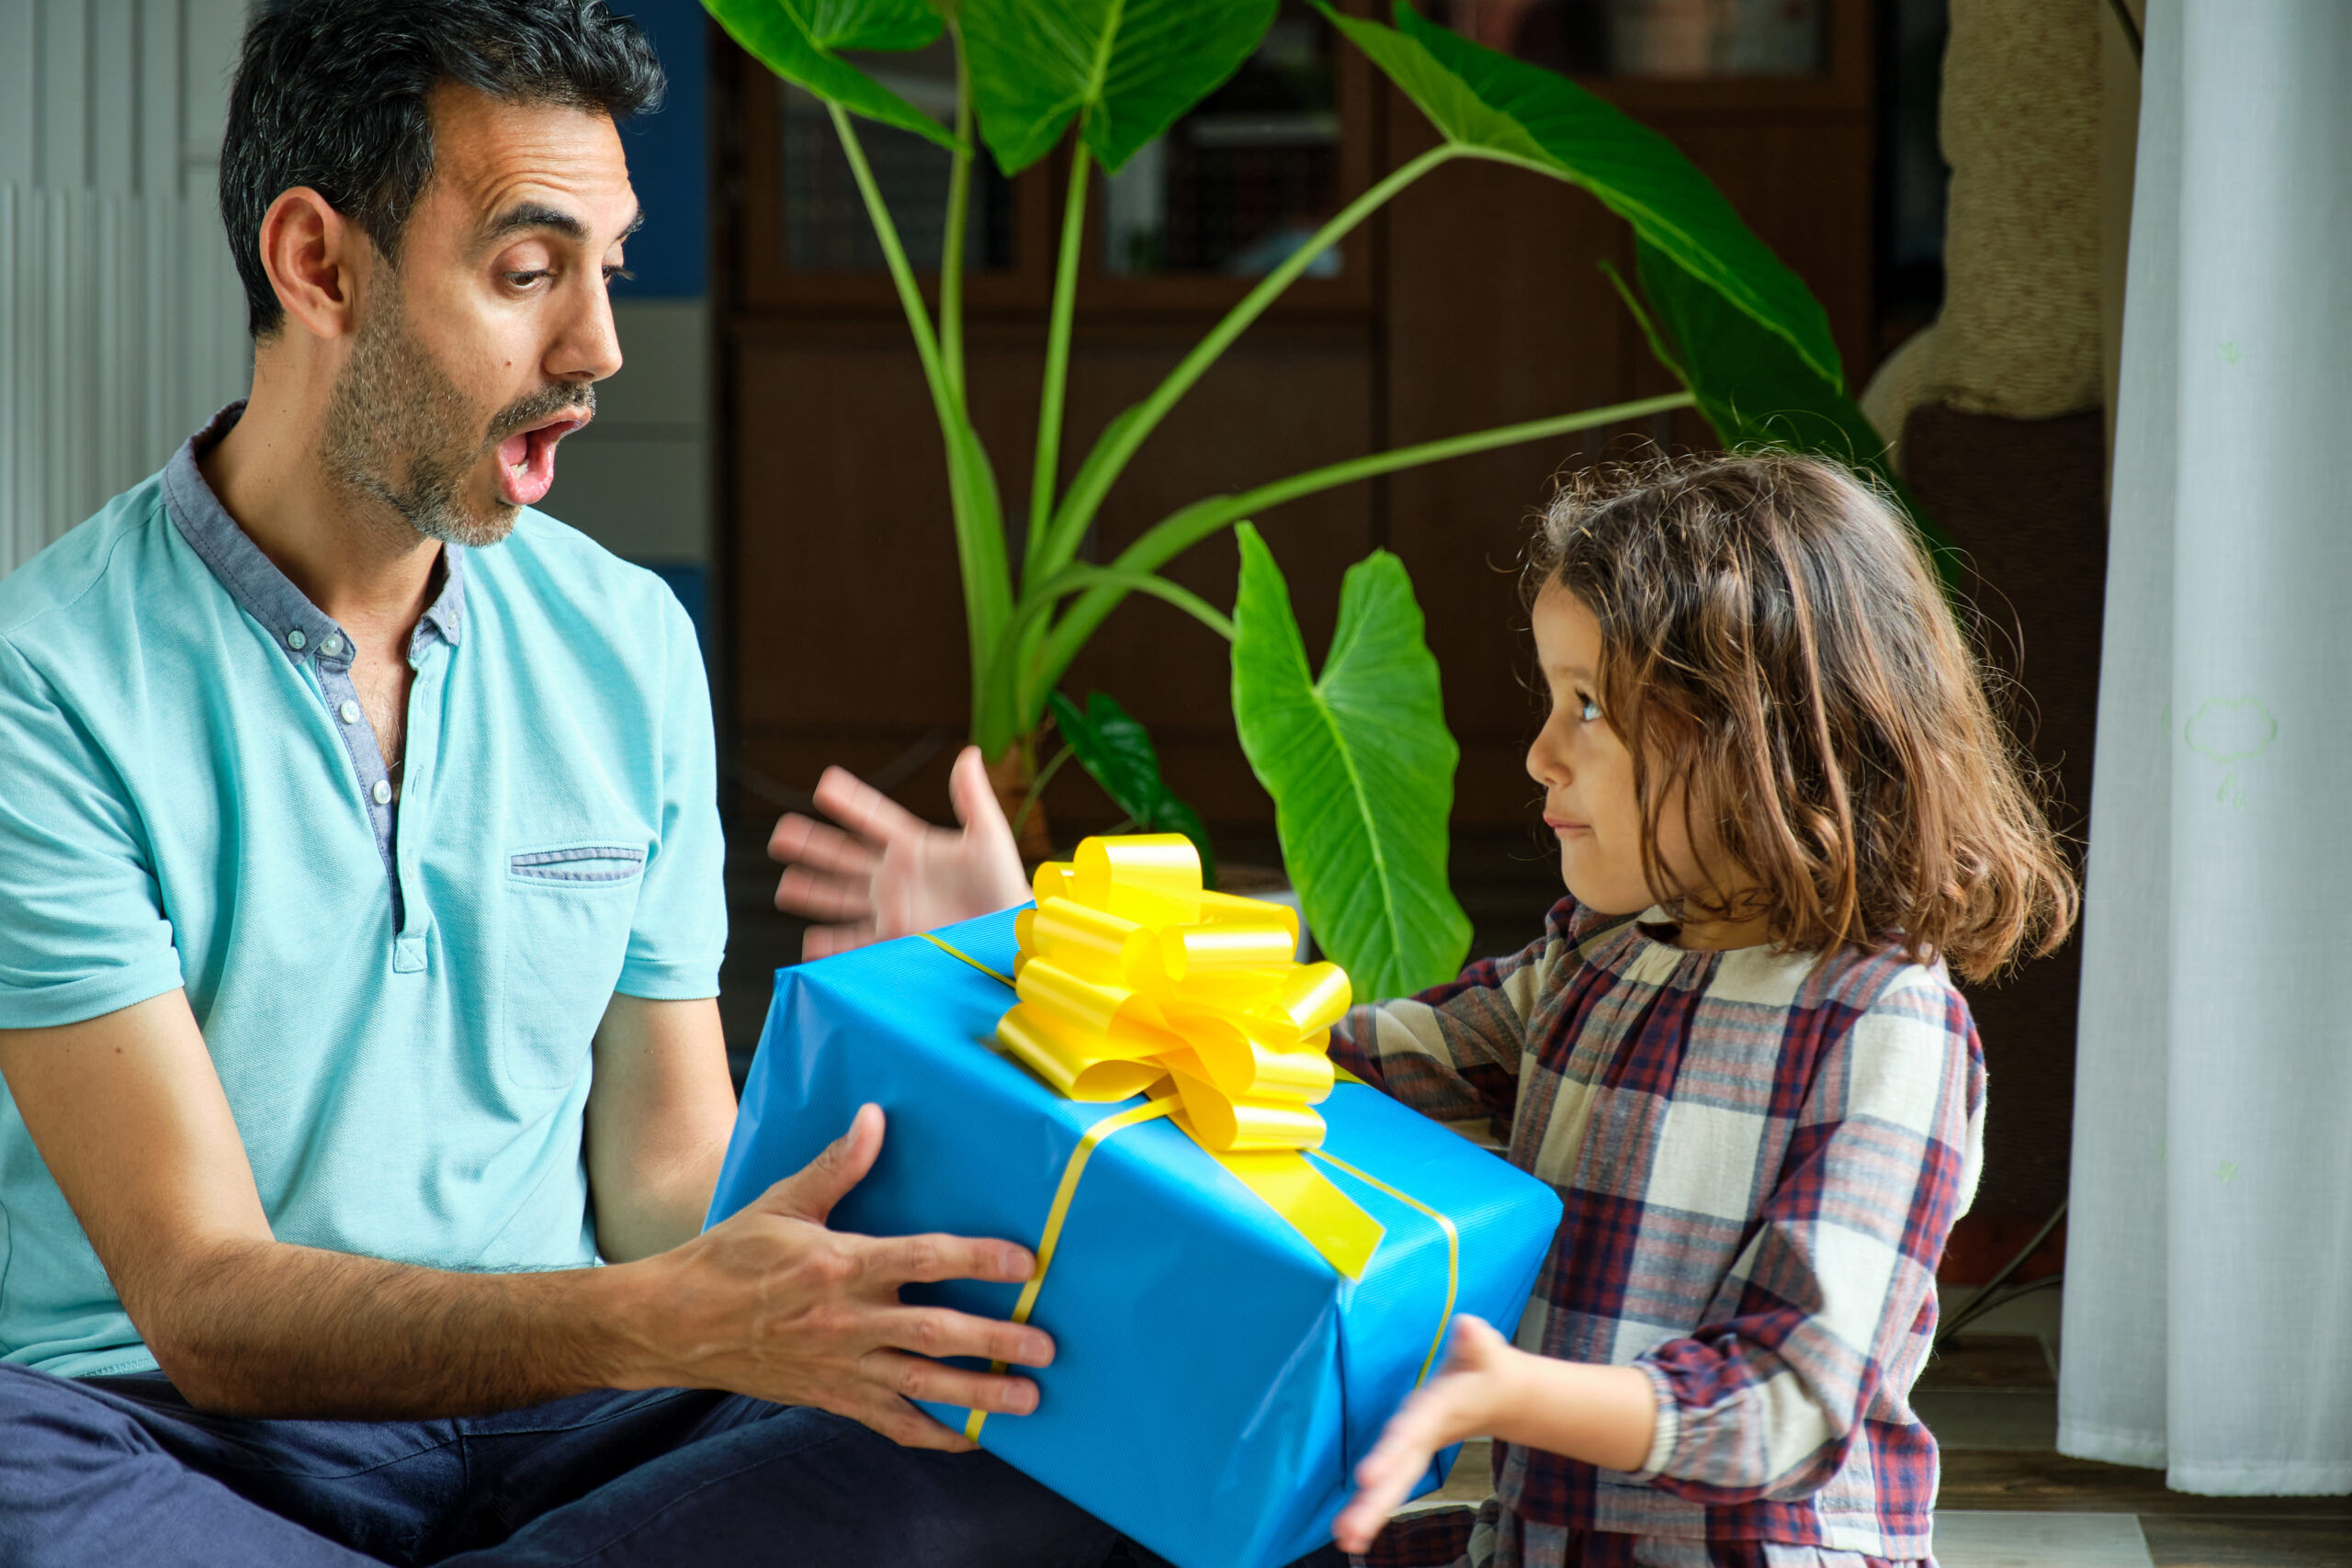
[(527, 458)]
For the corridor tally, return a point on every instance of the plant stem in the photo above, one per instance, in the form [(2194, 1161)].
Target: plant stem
[(1037, 787), (951, 248), (1079, 508), (886, 233), (1179, 532), (1038, 603), (979, 544), (1049, 404), (1076, 579)]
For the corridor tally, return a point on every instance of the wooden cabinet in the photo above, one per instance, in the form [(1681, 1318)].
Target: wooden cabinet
[(1475, 300)]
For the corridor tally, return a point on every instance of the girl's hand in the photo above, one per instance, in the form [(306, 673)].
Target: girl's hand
[(1471, 1397), (892, 873)]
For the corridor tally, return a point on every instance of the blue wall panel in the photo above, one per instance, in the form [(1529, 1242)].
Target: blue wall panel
[(669, 160)]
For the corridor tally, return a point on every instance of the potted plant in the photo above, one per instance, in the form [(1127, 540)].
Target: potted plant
[(1356, 756)]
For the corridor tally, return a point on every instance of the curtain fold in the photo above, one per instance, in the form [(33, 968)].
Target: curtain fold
[(2209, 1274)]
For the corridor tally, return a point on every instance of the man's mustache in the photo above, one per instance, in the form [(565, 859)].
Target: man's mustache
[(550, 402)]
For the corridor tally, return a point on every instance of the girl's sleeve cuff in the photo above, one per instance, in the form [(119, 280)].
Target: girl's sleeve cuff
[(1665, 1428)]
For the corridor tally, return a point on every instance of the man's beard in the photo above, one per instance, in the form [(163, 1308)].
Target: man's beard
[(400, 431)]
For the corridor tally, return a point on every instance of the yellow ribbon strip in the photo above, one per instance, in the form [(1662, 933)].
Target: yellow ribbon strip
[(1095, 1134), (1453, 1251), (953, 952)]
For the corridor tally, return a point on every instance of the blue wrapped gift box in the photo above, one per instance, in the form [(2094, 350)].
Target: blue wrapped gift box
[(1215, 1382)]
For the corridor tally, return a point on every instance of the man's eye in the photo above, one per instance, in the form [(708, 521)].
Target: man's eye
[(525, 279), (621, 274)]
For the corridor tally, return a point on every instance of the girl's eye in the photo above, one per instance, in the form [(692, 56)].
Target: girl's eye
[(1587, 709)]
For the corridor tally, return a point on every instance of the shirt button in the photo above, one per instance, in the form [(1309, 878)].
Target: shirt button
[(382, 791), (296, 641), (333, 647), (348, 712)]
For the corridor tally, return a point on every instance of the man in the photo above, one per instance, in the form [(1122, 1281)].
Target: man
[(360, 918)]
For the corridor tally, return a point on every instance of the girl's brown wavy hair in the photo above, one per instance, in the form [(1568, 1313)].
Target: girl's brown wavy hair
[(1773, 639)]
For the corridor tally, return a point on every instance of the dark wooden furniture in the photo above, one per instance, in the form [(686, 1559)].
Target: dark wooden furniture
[(1476, 299)]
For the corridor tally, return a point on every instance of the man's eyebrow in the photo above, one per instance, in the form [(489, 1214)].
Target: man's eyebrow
[(525, 215)]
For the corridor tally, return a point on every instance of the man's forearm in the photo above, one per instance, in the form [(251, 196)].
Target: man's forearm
[(265, 1328)]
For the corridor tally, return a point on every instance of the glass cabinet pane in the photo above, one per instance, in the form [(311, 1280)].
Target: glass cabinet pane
[(825, 226), (1243, 180), (1652, 38)]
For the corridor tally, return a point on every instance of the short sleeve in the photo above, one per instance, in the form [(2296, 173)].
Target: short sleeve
[(679, 934), (82, 927)]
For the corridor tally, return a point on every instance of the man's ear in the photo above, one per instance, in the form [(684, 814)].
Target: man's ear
[(315, 258)]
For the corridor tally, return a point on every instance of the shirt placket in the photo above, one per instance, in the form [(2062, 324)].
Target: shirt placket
[(331, 665), (430, 650)]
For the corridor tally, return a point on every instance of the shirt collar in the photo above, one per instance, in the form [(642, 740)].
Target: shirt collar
[(300, 629)]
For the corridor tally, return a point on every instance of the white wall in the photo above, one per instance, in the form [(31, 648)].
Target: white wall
[(121, 325)]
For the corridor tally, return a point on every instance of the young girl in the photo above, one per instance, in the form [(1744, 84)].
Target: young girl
[(1785, 810)]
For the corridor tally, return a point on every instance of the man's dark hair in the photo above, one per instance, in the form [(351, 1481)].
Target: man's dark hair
[(331, 95)]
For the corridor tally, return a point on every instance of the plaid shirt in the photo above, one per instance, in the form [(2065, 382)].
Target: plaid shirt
[(1761, 1154)]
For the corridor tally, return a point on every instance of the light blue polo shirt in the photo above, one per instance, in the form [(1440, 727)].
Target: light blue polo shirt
[(399, 995)]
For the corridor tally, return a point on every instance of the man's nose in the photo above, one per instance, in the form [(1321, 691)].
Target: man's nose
[(590, 348)]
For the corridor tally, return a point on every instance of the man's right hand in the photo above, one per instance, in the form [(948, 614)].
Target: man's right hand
[(887, 872), (772, 1304), (130, 1116)]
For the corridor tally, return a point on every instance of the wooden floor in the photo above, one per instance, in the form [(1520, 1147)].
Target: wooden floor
[(2009, 1500)]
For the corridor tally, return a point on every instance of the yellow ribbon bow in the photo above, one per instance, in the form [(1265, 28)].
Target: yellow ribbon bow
[(1134, 979)]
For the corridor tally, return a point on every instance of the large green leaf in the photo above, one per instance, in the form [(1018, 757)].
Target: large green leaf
[(1753, 388), (800, 40), (1130, 66), (1361, 767), (1494, 104), (1116, 752)]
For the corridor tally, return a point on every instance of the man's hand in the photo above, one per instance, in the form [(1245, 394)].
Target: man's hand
[(130, 1116), (892, 873), (1603, 1416), (771, 1302)]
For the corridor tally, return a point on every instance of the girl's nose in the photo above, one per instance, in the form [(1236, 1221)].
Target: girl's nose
[(1544, 763)]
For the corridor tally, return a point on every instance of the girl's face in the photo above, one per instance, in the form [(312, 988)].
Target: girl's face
[(1587, 779)]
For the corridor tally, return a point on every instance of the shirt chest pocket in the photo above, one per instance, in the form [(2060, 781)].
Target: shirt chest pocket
[(569, 910)]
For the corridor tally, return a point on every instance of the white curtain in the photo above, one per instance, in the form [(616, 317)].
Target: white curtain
[(121, 322), (2208, 1269), (122, 328)]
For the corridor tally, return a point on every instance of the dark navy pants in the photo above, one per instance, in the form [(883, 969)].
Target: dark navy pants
[(123, 1471)]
